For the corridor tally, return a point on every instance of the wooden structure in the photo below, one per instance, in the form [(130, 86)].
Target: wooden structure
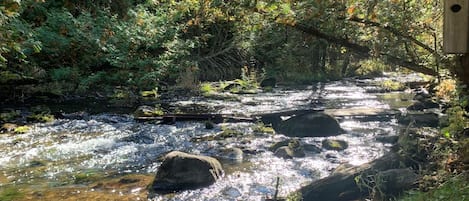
[(456, 26)]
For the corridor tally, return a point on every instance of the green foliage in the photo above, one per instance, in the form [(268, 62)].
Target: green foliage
[(390, 85), (369, 68), (457, 121), (10, 193), (98, 45), (455, 188), (448, 90), (9, 116), (207, 88)]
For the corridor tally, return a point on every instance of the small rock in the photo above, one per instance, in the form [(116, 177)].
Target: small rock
[(337, 145)]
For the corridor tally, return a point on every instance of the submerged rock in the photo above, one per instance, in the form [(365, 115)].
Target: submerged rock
[(231, 154), (314, 124), (183, 171)]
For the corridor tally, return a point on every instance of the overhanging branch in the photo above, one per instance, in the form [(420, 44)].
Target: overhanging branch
[(364, 50)]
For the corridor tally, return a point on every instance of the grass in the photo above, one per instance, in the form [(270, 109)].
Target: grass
[(456, 188)]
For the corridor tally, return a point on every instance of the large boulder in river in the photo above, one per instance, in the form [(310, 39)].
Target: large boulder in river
[(314, 124), (182, 171)]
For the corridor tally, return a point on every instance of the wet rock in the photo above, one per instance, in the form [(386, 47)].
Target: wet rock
[(182, 171), (422, 95), (423, 105), (311, 148), (209, 125), (337, 145), (288, 149), (314, 124), (288, 152), (419, 119), (387, 139), (8, 128)]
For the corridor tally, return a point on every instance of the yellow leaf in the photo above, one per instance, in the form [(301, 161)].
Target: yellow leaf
[(351, 10)]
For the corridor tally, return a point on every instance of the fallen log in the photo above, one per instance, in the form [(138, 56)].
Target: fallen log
[(378, 178), (215, 118)]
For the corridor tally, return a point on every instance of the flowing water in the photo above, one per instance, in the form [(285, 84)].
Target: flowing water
[(113, 157)]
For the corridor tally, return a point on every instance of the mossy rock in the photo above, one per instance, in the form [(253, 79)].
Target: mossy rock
[(263, 128), (337, 145), (288, 149)]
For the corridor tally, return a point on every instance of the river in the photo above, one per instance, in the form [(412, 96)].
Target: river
[(110, 156)]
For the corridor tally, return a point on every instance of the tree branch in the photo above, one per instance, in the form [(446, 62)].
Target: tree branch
[(364, 50), (393, 31)]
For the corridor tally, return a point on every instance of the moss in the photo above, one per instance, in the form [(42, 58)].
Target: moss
[(41, 118), (150, 94), (21, 129), (334, 144), (10, 193), (260, 127), (207, 88)]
